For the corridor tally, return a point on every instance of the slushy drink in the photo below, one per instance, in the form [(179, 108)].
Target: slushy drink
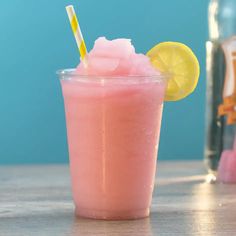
[(113, 109)]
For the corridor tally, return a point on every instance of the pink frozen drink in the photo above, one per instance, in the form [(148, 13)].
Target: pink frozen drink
[(113, 112)]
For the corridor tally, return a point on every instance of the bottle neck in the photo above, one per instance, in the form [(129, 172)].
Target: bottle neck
[(213, 10), (222, 19)]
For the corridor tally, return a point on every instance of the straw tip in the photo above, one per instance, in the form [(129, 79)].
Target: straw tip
[(69, 7)]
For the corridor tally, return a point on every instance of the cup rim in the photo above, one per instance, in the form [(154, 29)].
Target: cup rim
[(71, 74)]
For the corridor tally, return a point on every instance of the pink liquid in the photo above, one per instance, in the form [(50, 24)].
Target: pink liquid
[(227, 167), (113, 135)]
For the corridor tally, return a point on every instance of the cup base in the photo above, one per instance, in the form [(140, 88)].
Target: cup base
[(111, 215)]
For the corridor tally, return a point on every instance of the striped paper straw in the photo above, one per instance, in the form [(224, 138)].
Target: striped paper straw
[(77, 33)]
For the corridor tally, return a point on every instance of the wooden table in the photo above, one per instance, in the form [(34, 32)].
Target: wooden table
[(36, 200)]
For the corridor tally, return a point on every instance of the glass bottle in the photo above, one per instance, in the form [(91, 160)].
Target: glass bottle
[(221, 74)]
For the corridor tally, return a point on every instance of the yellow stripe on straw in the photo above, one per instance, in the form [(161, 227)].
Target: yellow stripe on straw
[(77, 33), (74, 24)]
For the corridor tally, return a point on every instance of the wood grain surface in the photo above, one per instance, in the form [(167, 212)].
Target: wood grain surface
[(36, 200)]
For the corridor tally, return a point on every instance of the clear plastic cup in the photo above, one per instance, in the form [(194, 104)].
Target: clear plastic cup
[(113, 127)]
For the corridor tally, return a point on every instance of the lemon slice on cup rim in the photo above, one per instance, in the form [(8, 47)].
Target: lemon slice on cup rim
[(181, 66)]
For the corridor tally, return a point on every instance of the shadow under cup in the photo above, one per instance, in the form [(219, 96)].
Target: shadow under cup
[(113, 126)]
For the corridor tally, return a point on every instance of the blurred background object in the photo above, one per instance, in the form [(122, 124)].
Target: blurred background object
[(36, 41), (221, 85)]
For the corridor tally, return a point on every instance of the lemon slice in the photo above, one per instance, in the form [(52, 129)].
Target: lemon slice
[(179, 63)]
